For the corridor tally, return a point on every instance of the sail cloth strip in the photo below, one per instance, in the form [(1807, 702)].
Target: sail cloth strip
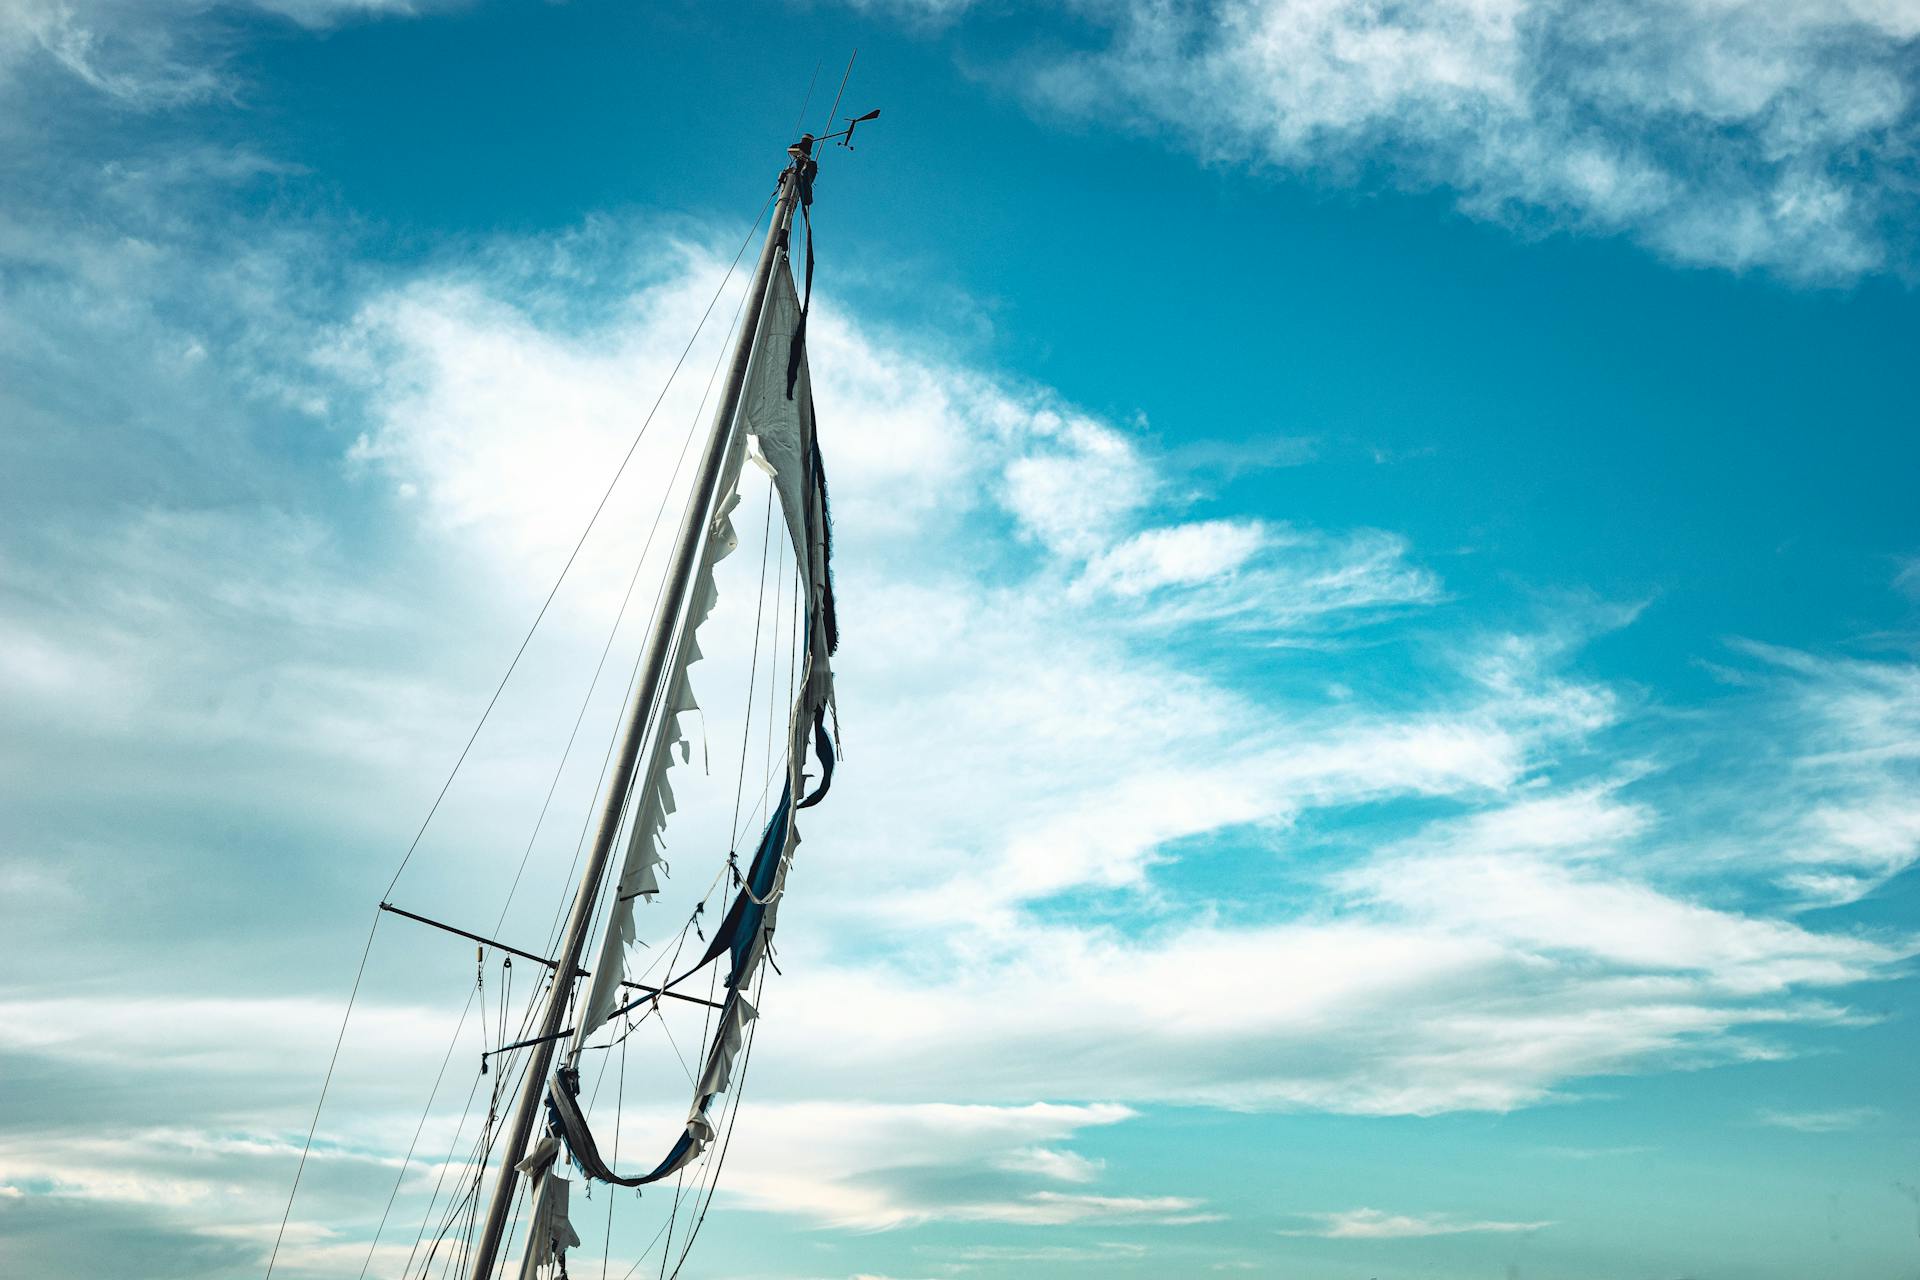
[(778, 415), (642, 864), (550, 1234), (777, 432), (777, 407)]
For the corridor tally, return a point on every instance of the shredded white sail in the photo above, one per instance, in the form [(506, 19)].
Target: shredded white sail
[(777, 434)]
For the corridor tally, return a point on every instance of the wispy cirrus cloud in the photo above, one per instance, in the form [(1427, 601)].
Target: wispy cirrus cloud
[(1854, 770), (1737, 135), (153, 54), (1835, 1120), (1378, 1224), (1258, 577)]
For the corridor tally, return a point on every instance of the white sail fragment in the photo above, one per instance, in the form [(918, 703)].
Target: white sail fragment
[(726, 1047), (653, 794), (779, 425), (550, 1233), (781, 433), (727, 1044)]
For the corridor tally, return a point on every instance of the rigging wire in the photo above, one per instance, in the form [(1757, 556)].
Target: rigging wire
[(686, 1069), (746, 1057), (753, 670), (773, 653), (773, 686), (652, 532), (325, 1083), (513, 1223), (446, 1164), (673, 1217), (676, 1052), (707, 1184), (514, 1067), (807, 101), (619, 1110), (642, 1256), (702, 1192), (518, 1067), (407, 1160), (706, 1018), (509, 1073), (480, 985)]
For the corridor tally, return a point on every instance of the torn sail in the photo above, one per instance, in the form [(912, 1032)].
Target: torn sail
[(775, 427)]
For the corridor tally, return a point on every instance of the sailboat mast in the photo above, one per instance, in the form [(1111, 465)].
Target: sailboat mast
[(664, 626)]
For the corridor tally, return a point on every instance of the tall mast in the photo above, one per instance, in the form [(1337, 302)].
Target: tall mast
[(660, 634)]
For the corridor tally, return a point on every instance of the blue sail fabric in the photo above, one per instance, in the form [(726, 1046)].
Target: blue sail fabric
[(822, 748), (741, 926), (829, 616), (566, 1122)]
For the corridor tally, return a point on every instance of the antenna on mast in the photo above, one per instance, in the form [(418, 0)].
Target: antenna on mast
[(845, 135)]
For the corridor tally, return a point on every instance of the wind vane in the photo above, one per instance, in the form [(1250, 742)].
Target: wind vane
[(854, 122)]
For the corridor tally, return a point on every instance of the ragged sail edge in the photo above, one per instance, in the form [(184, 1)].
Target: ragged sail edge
[(778, 432), (550, 1234), (639, 869)]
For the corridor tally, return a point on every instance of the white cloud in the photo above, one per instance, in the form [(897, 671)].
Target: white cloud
[(1251, 575), (1077, 483), (1050, 1162), (1106, 1251), (1055, 1208), (499, 428), (1377, 1224), (1474, 877), (1836, 1120), (1836, 782), (871, 1166), (1596, 1153), (1177, 556), (1725, 134), (1375, 1018), (150, 54)]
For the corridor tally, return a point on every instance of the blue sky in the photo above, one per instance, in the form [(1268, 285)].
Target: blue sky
[(1378, 574)]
